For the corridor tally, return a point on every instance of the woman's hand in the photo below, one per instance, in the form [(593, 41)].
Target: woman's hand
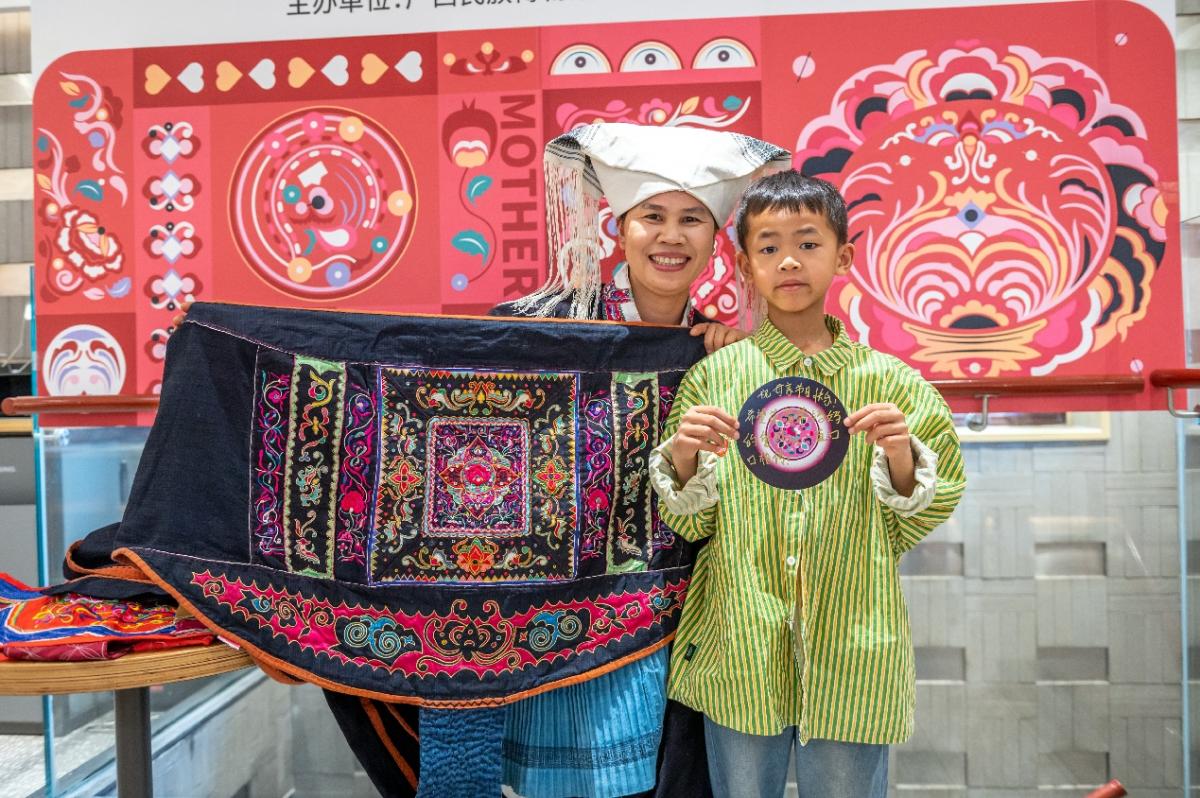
[(717, 335), (178, 318)]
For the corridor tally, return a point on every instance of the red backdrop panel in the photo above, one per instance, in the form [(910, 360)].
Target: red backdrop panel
[(1011, 177)]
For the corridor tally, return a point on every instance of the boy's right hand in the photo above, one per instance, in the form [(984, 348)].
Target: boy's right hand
[(703, 428)]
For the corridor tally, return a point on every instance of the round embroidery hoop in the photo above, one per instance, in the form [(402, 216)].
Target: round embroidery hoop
[(792, 433)]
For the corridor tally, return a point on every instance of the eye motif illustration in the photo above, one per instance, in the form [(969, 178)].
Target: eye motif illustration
[(580, 59), (723, 53), (650, 57)]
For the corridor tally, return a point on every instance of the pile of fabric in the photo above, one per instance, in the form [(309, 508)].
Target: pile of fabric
[(74, 627)]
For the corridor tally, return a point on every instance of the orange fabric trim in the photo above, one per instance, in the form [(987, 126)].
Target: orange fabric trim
[(403, 723), (259, 656), (276, 674), (377, 724), (126, 573)]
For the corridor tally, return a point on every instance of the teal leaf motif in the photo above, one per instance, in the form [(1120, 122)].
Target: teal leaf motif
[(80, 101), (476, 188), (90, 189), (472, 243)]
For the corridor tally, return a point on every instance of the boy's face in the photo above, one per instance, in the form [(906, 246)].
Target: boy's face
[(791, 257), (667, 240)]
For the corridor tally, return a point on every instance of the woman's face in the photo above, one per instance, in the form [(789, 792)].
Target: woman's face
[(667, 240)]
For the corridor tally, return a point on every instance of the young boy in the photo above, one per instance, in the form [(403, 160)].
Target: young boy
[(795, 627)]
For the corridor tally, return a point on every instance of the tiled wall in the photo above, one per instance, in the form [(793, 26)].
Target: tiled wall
[(1047, 624)]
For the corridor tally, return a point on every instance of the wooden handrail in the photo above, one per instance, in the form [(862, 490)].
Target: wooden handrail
[(1103, 384), (1175, 378), (1114, 789), (28, 405)]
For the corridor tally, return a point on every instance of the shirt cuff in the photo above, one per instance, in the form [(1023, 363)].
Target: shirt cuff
[(698, 494), (925, 460)]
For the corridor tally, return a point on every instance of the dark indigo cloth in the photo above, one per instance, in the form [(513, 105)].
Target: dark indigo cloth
[(276, 491), (383, 737)]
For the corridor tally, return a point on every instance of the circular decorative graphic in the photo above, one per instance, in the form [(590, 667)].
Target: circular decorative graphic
[(793, 435), (321, 203), (83, 360)]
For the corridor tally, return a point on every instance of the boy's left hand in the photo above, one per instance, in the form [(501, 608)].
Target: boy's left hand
[(885, 425), (717, 335)]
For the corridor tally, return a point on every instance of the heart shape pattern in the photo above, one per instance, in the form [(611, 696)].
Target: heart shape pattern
[(373, 68), (410, 67), (299, 72), (264, 74), (192, 77), (337, 70), (227, 76), (156, 79)]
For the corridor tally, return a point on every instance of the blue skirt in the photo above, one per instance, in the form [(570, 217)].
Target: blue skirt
[(597, 739)]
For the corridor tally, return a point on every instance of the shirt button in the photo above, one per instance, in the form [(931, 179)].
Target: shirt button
[(808, 361), (791, 561)]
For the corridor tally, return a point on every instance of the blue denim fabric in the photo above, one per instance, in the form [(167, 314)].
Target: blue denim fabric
[(753, 766)]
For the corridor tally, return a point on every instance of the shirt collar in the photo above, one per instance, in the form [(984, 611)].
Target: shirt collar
[(784, 355), (621, 294)]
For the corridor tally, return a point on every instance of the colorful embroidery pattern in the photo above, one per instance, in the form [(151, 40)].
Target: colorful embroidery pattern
[(271, 392), (477, 479), (792, 433), (635, 403), (309, 510), (70, 626), (595, 473), (475, 484), (661, 536), (476, 639), (355, 483)]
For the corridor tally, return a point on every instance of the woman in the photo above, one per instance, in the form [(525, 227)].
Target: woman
[(671, 189)]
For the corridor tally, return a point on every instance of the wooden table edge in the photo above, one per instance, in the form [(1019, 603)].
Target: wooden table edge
[(130, 671)]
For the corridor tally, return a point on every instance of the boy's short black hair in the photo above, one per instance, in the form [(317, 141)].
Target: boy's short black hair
[(789, 190)]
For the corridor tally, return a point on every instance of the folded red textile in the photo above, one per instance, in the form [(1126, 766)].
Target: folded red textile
[(71, 627)]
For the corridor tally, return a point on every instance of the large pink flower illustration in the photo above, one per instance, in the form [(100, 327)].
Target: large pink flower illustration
[(1003, 210), (86, 245)]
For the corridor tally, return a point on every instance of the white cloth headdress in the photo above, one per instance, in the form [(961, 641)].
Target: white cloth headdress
[(627, 164)]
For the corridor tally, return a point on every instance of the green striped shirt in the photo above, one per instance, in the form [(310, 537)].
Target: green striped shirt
[(835, 547)]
